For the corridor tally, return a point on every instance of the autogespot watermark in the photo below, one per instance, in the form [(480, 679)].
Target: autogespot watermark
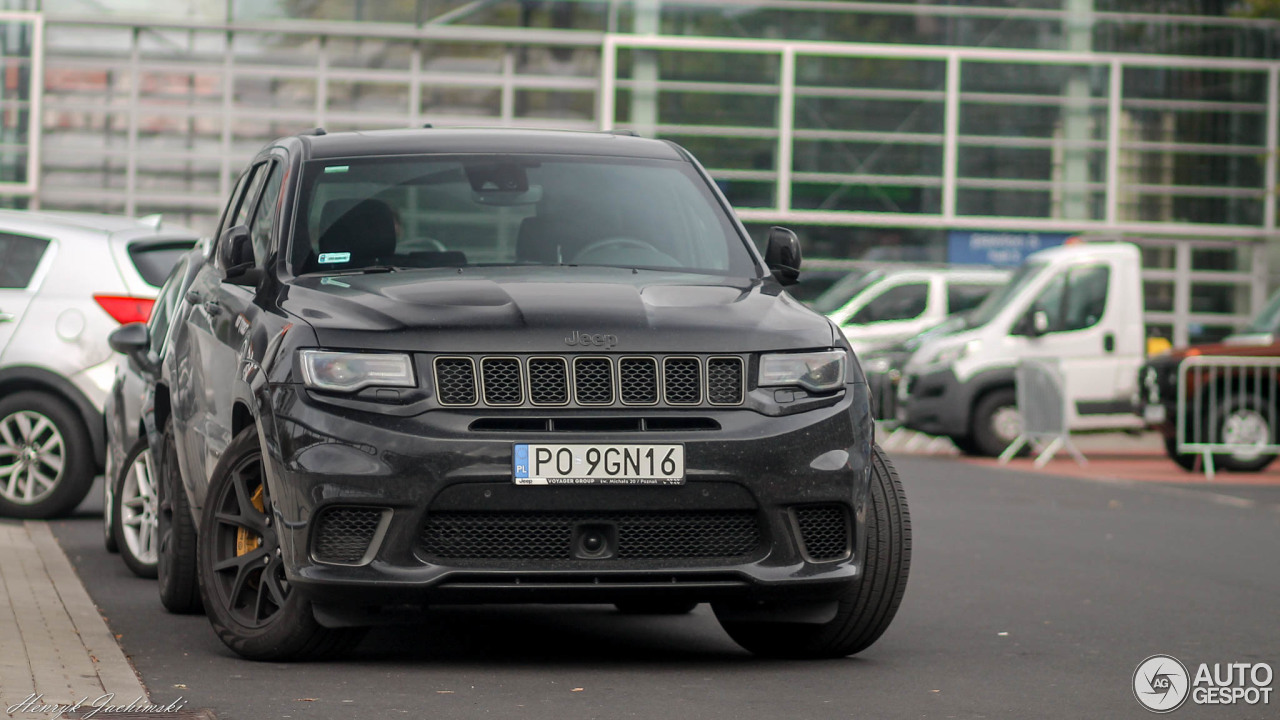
[(1162, 684)]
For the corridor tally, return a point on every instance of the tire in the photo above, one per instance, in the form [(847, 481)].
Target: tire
[(108, 517), (868, 605), (965, 445), (990, 432), (135, 510), (249, 602), (175, 526), (655, 607), (1186, 461), (46, 456)]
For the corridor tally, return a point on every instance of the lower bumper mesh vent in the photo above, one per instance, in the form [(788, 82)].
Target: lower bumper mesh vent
[(343, 534), (825, 531), (549, 535)]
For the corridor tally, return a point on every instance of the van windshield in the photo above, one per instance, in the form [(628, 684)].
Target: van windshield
[(1267, 320), (845, 289), (433, 211), (996, 301)]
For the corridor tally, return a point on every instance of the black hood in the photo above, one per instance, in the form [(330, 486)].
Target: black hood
[(539, 309)]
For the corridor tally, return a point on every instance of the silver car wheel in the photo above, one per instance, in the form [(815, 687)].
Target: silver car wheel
[(32, 455), (139, 509), (1246, 427)]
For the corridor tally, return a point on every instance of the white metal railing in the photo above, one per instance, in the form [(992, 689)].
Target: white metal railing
[(1042, 399), (1227, 407)]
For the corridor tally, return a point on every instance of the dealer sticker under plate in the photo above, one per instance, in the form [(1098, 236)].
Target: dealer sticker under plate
[(597, 464)]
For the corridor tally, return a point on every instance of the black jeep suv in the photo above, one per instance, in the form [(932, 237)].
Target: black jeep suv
[(458, 366)]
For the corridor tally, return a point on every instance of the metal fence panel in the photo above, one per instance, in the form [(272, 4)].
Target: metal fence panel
[(1227, 406)]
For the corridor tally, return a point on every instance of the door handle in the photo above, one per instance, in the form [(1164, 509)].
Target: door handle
[(1109, 342)]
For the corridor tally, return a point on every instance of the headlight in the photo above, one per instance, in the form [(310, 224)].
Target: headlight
[(956, 353), (816, 371), (876, 365), (348, 372)]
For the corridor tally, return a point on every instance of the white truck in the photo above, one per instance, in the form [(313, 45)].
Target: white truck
[(1080, 304)]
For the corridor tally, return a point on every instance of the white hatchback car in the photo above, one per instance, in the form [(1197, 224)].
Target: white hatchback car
[(885, 306), (66, 281)]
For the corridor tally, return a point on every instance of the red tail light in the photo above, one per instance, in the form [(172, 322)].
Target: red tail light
[(124, 309)]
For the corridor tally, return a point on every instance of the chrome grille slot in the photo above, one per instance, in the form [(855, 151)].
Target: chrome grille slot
[(548, 381), (638, 380), (455, 380), (724, 380), (593, 380), (502, 381), (682, 380)]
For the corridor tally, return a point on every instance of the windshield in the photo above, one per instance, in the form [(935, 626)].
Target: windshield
[(452, 211), (997, 301), (950, 326), (844, 290), (1266, 321)]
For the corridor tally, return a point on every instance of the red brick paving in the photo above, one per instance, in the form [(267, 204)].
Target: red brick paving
[(1136, 466)]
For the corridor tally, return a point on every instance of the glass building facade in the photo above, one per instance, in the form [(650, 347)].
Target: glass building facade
[(886, 129)]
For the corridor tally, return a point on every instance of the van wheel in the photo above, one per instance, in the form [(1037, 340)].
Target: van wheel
[(176, 534), (46, 457), (249, 600), (996, 422), (965, 445), (868, 604)]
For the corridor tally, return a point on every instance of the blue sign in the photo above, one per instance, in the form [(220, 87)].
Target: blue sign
[(992, 247)]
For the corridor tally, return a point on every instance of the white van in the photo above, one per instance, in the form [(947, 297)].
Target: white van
[(1080, 304), (888, 305)]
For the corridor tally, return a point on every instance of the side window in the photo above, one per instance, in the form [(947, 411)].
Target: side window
[(900, 302), (966, 296), (1049, 301), (233, 203), (264, 218), (162, 311), (19, 257), (241, 216), (1086, 298)]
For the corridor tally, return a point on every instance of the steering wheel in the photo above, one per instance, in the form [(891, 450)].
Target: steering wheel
[(623, 242)]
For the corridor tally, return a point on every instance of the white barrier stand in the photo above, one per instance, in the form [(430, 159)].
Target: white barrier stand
[(1227, 405), (1041, 396)]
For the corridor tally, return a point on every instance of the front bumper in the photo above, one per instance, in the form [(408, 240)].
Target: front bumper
[(411, 472), (935, 403)]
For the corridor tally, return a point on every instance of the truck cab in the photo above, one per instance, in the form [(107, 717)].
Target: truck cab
[(1079, 304)]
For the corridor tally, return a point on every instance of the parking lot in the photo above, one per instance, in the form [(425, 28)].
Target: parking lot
[(1031, 595)]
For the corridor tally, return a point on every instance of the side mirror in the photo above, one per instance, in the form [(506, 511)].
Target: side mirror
[(134, 341), (235, 256), (783, 255), (1040, 322)]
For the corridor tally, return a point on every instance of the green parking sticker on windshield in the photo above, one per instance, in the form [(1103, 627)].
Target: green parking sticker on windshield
[(330, 258), (337, 168)]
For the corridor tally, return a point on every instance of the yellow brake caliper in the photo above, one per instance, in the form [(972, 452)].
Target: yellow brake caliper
[(247, 542)]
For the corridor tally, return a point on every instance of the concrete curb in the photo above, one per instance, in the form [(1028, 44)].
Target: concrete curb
[(53, 642)]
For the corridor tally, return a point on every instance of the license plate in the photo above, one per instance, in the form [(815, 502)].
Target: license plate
[(598, 464), (1153, 414)]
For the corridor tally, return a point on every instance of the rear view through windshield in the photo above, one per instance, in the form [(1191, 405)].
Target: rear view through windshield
[(512, 210)]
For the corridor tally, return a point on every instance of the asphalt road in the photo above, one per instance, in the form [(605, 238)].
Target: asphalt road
[(1030, 597)]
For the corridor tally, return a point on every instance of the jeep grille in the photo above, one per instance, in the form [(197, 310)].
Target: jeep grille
[(590, 381)]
